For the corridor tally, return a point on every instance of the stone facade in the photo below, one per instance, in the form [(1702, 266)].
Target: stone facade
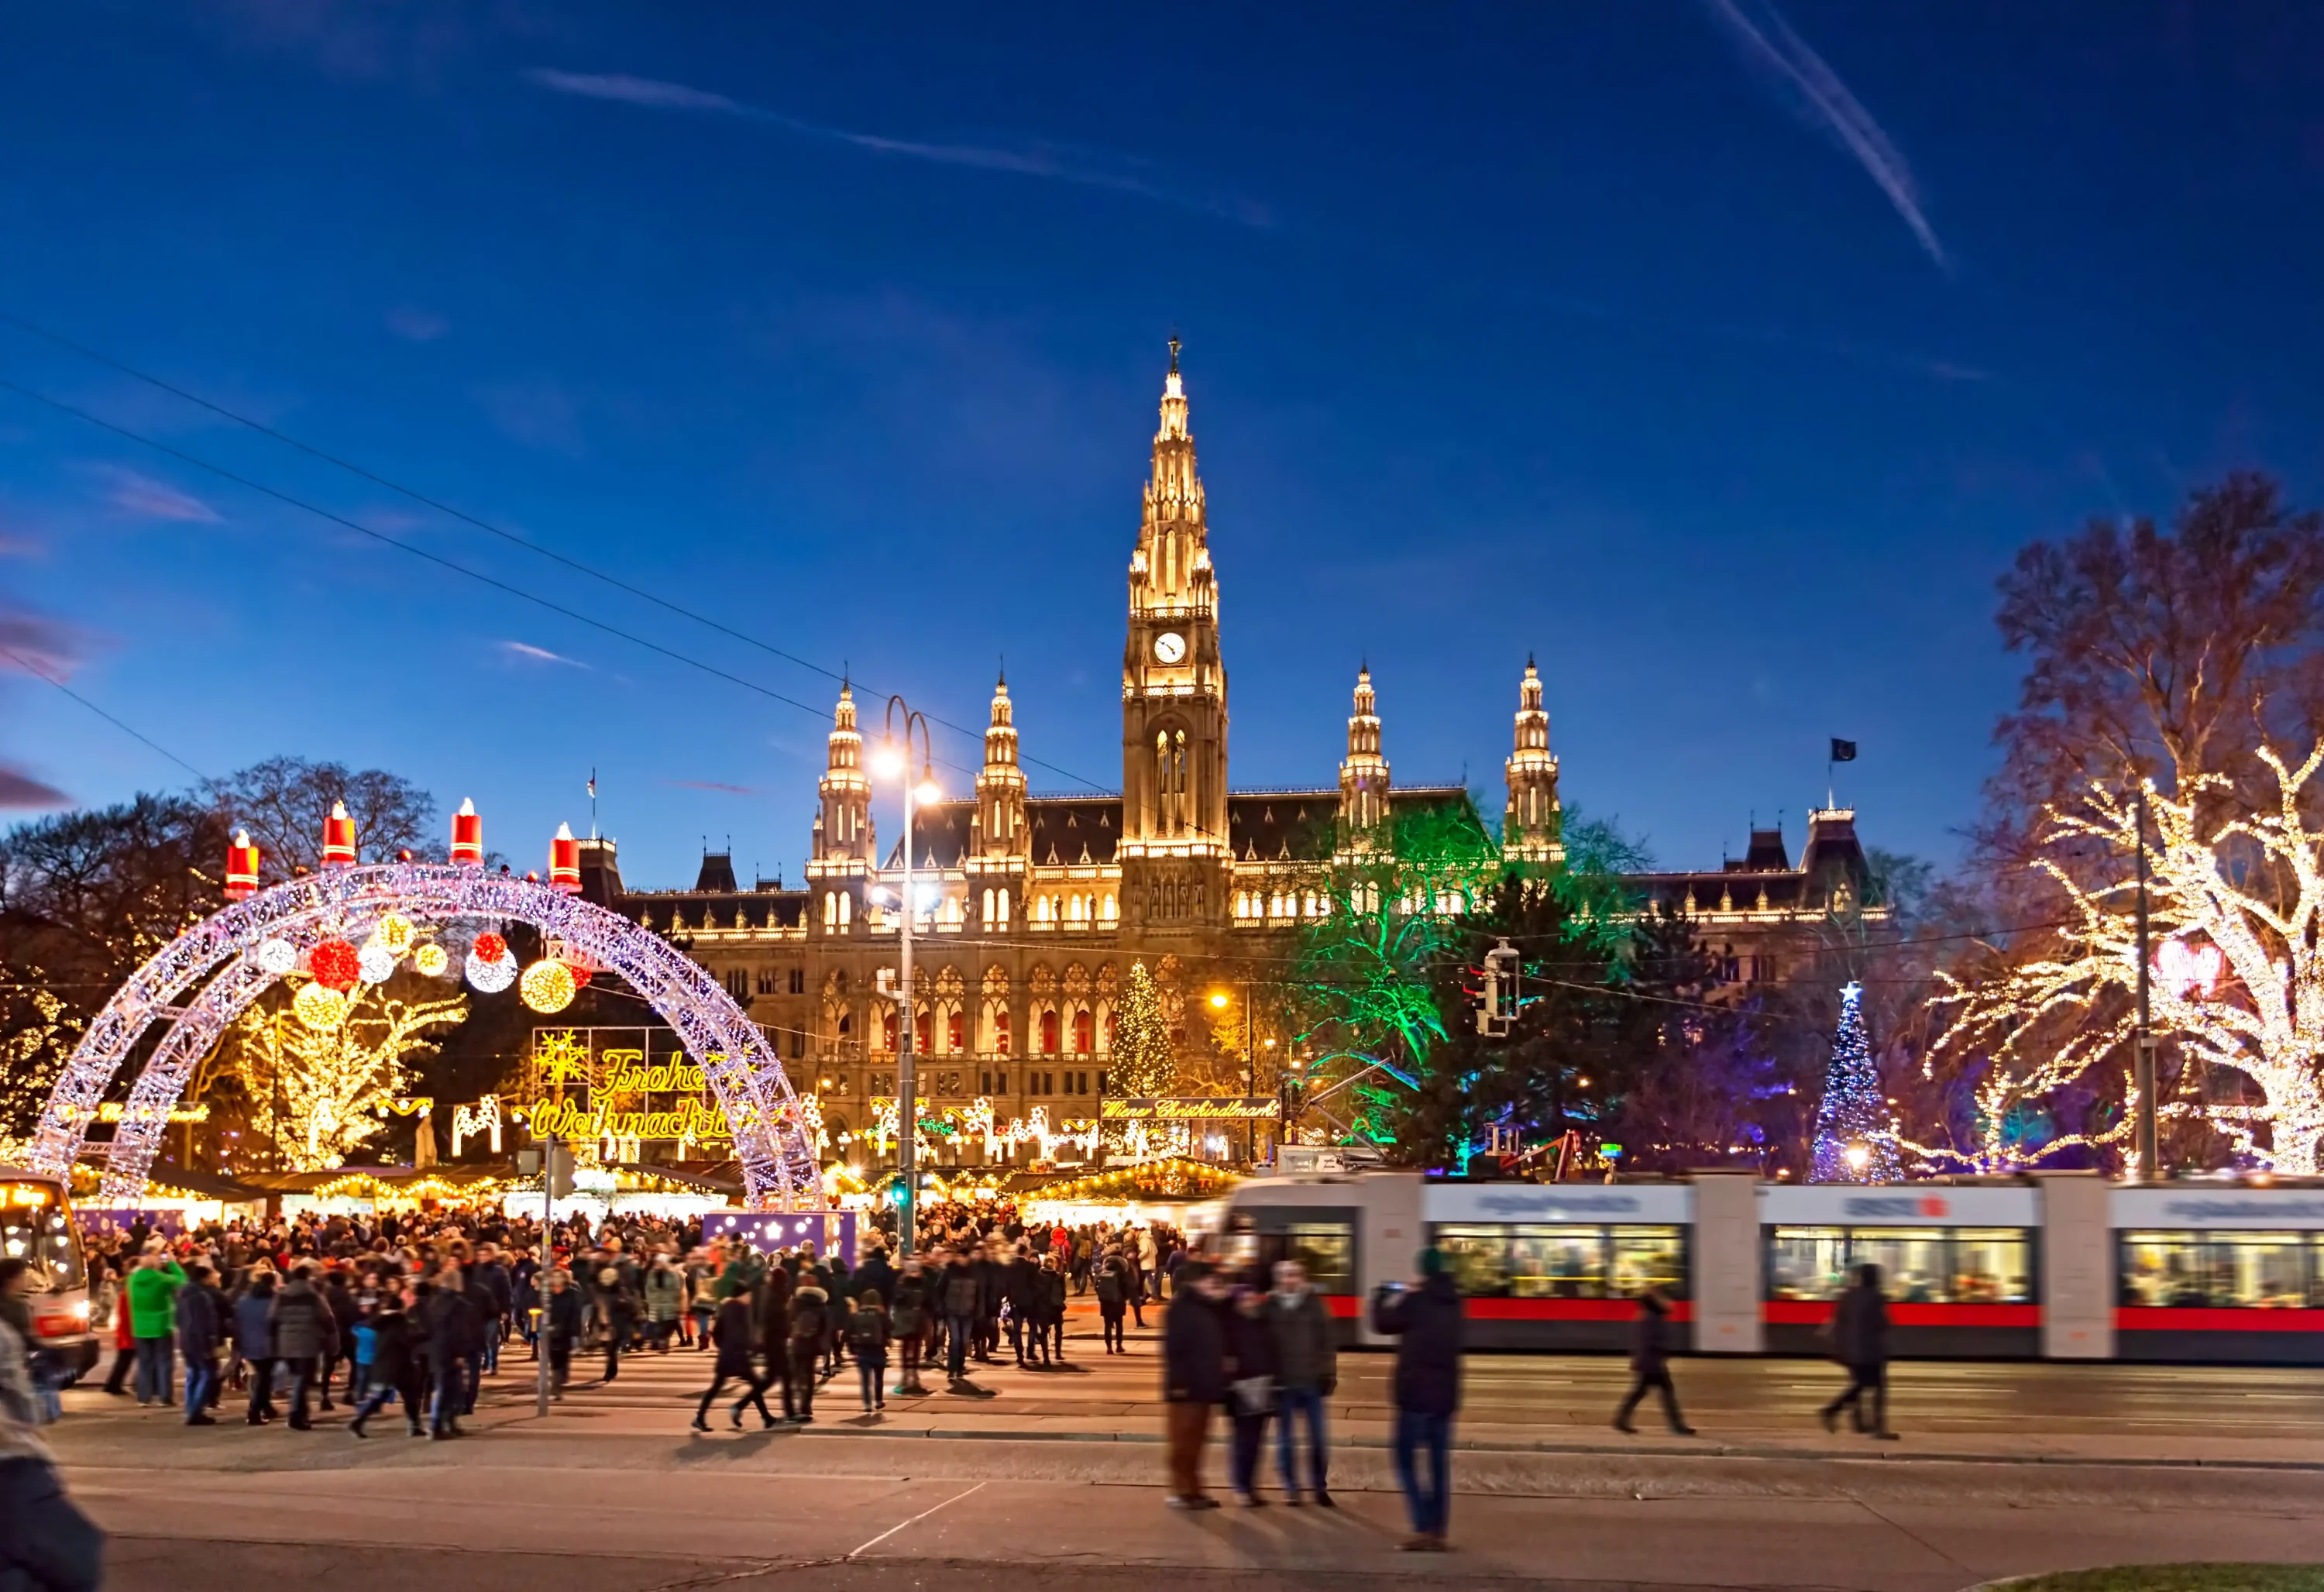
[(1033, 909)]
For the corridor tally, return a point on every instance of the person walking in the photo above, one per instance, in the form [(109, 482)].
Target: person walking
[(1251, 1390), (811, 1327), (1114, 1285), (1425, 1320), (1859, 1341), (960, 1314), (909, 1322), (732, 1330), (1650, 1364), (304, 1337), (395, 1366), (153, 1290), (664, 1302), (450, 1323), (770, 1307), (202, 1334), (1049, 1309), (867, 1340), (254, 1340), (561, 1327), (1193, 1379), (617, 1307), (46, 1544), (1307, 1373)]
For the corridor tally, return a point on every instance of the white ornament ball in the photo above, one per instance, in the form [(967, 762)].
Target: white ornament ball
[(376, 963), (277, 957), (492, 977)]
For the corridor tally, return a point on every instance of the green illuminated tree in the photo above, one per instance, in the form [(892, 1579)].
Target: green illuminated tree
[(1143, 1064)]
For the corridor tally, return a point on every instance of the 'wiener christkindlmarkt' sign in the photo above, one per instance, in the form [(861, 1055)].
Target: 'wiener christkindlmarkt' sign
[(1190, 1108)]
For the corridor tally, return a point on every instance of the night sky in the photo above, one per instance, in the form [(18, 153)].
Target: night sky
[(1718, 356)]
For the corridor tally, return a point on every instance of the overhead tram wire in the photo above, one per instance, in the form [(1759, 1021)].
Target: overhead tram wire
[(30, 668), (464, 517), (222, 473)]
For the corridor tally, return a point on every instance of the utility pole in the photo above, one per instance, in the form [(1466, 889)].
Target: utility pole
[(541, 1277), (2147, 1150)]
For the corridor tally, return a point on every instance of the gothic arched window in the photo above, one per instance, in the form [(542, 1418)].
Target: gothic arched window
[(1085, 1032)]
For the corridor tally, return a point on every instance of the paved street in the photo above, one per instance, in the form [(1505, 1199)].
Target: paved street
[(1056, 1477)]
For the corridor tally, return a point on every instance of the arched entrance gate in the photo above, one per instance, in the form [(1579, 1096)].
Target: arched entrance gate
[(220, 955)]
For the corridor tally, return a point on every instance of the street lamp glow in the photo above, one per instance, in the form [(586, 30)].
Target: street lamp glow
[(1859, 1156), (888, 761), (930, 793), (1220, 1000)]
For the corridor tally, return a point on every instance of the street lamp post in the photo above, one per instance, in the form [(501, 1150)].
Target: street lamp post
[(1251, 1072), (895, 759)]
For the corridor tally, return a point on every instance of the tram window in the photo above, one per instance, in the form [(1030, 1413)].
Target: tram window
[(1912, 1262), (1480, 1259), (2316, 1272), (1328, 1251), (1557, 1262), (1647, 1258), (1991, 1266), (2164, 1269), (1807, 1262), (2219, 1270)]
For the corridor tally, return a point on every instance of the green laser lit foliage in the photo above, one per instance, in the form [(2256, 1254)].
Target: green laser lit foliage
[(1372, 976)]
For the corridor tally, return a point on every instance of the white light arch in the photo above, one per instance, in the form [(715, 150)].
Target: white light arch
[(776, 1154)]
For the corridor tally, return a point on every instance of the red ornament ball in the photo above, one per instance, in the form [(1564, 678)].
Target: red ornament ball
[(490, 947), (580, 971), (335, 965)]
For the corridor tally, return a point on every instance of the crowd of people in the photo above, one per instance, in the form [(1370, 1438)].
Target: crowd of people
[(306, 1316)]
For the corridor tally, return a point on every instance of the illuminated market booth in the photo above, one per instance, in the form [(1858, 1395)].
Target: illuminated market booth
[(1167, 1189)]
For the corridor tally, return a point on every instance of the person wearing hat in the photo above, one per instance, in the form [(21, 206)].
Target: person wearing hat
[(1424, 1319), (1194, 1378)]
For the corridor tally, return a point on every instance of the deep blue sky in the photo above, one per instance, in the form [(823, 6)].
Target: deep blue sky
[(1720, 356)]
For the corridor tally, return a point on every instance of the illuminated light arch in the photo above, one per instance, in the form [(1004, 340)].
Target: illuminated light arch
[(772, 1143)]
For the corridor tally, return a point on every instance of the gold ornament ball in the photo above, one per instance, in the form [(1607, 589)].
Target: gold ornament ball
[(547, 987), (396, 932), (320, 1007), (432, 960)]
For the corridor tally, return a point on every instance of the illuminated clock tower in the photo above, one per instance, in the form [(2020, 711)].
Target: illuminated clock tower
[(1174, 698)]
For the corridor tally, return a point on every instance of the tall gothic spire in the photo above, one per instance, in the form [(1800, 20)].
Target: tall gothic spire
[(1363, 773), (1530, 827), (1000, 785), (843, 827)]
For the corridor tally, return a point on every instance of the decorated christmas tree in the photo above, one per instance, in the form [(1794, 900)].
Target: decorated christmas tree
[(1854, 1112), (1143, 1064)]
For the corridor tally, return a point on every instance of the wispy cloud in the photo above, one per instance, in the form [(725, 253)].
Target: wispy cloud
[(540, 414), (49, 647), (527, 650), (1083, 167), (19, 547), (1819, 98), (712, 785), (20, 791), (147, 499), (414, 325)]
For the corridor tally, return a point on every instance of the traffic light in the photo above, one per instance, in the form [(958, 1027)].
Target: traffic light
[(1495, 990)]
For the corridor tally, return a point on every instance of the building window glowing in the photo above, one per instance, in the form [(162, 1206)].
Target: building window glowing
[(1084, 1033), (1048, 1032)]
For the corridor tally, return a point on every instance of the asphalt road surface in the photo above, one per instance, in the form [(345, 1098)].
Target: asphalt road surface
[(1052, 1478)]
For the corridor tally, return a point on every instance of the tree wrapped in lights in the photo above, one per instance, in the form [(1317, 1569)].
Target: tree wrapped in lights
[(1144, 1064), (1853, 1141), (2243, 876), (319, 1092)]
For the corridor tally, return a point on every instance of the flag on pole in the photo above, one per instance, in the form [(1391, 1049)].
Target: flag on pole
[(1842, 751), (593, 777)]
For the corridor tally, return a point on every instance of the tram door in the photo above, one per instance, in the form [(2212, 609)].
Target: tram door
[(1322, 1238)]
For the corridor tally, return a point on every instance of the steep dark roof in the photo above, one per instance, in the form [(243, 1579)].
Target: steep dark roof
[(1067, 830), (1768, 854), (717, 872), (678, 911), (1283, 825)]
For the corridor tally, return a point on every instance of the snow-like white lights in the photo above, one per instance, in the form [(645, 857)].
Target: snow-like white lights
[(376, 963), (277, 956), (490, 977)]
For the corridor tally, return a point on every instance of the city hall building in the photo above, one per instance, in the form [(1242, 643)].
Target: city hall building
[(1035, 908)]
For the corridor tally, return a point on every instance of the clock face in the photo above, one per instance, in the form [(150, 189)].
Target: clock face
[(1169, 646)]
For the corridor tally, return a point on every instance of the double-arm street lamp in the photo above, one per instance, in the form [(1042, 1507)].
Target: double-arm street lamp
[(894, 760)]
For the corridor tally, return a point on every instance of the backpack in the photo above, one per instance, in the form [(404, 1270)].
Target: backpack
[(1110, 1289)]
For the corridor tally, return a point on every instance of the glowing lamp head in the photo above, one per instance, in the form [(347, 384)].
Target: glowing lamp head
[(467, 836), (929, 792), (1218, 1001), (241, 867), (338, 838), (888, 760), (1858, 1156)]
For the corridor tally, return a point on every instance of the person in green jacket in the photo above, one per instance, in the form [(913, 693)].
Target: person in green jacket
[(153, 1290)]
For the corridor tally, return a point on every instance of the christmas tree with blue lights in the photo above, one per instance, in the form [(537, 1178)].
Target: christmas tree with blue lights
[(1854, 1111)]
